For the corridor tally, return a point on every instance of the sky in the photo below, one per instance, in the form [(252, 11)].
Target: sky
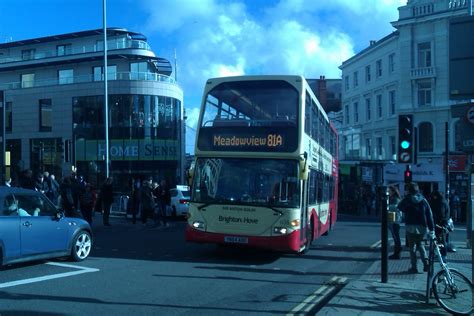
[(215, 38)]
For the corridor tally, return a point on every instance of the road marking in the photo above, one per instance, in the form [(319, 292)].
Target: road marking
[(320, 294), (81, 270), (376, 244)]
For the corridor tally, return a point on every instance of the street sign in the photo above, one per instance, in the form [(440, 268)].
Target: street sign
[(465, 112)]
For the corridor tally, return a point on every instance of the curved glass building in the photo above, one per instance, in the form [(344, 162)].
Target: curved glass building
[(54, 100)]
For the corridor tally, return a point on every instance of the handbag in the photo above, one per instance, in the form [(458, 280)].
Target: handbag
[(450, 225)]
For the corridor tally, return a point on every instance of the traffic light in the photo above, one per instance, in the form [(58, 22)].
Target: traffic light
[(408, 175), (405, 138)]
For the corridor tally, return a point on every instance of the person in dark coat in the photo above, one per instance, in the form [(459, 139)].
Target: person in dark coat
[(26, 180), (107, 198), (164, 200), (87, 202), (67, 201), (394, 227), (147, 201), (418, 222), (441, 214)]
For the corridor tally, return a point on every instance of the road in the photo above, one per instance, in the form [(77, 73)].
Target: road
[(147, 271)]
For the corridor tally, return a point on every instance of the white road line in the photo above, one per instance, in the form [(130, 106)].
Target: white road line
[(376, 244), (318, 295), (81, 270)]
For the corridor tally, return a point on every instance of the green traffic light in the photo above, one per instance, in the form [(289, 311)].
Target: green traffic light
[(405, 144)]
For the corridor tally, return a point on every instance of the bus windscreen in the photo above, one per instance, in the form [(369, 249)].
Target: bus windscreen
[(257, 115)]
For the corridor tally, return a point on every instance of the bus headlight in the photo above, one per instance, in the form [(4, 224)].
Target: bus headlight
[(199, 225), (295, 223), (280, 230)]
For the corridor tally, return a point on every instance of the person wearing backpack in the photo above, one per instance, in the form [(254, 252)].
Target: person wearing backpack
[(418, 222)]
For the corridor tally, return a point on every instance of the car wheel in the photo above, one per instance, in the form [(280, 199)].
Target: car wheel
[(81, 246)]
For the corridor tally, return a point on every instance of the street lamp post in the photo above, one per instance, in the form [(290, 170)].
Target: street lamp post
[(106, 95)]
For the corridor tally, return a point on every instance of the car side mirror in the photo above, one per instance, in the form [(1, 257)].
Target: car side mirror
[(59, 214)]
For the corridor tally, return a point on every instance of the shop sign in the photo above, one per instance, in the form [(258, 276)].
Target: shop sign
[(420, 172), (127, 149), (457, 163)]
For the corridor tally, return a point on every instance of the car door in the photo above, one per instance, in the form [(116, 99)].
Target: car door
[(41, 231), (10, 229)]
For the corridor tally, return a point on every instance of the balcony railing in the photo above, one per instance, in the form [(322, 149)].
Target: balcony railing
[(147, 76), (423, 72), (99, 47)]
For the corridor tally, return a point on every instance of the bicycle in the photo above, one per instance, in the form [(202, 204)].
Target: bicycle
[(451, 289)]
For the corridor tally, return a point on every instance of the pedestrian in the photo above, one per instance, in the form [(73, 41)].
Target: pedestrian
[(164, 201), (53, 189), (394, 227), (107, 198), (147, 201), (455, 206), (40, 184), (418, 222), (67, 201), (135, 200), (441, 213), (26, 180), (87, 202)]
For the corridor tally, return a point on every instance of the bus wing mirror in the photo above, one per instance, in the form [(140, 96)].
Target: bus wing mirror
[(304, 170)]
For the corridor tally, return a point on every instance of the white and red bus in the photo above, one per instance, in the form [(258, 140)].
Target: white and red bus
[(265, 171)]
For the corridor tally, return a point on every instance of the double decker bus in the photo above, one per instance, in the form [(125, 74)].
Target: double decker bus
[(265, 170)]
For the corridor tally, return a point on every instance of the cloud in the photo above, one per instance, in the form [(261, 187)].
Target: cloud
[(226, 38)]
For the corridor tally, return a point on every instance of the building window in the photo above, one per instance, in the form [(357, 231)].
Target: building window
[(378, 68), (346, 82), (368, 109), (66, 76), (391, 102), (424, 94), (27, 80), (379, 106), (346, 109), (45, 116), (139, 71), (425, 137), (356, 79), (379, 147), (62, 50), (424, 55), (368, 147), (8, 117), (367, 73), (28, 54), (393, 149), (98, 73), (391, 63), (356, 112)]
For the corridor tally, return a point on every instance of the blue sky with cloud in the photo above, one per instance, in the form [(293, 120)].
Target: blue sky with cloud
[(218, 38)]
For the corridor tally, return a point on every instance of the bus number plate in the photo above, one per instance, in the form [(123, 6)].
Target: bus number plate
[(236, 240)]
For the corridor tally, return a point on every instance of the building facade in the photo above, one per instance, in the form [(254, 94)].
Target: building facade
[(54, 107), (406, 72)]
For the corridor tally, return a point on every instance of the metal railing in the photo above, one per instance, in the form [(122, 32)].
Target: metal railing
[(146, 76), (73, 50)]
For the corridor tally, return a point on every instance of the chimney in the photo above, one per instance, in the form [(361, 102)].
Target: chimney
[(372, 42)]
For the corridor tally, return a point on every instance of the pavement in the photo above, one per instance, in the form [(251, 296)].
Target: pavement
[(402, 294)]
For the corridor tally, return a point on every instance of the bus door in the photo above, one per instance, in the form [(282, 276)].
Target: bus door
[(304, 212)]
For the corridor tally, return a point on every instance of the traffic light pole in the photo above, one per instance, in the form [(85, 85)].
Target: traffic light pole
[(446, 160)]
